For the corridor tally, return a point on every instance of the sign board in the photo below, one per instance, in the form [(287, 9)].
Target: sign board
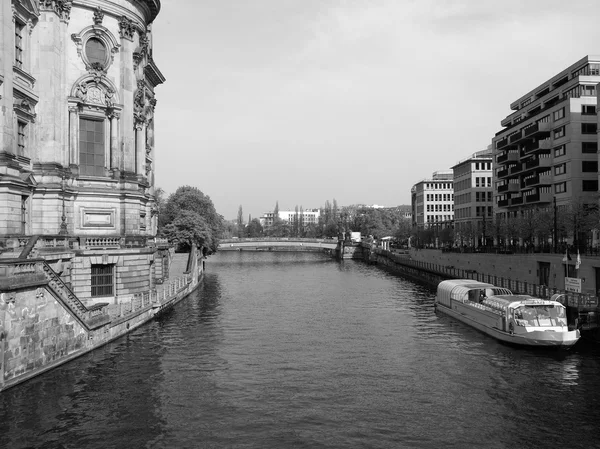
[(573, 285)]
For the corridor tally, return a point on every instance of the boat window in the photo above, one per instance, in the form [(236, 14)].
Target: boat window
[(541, 315)]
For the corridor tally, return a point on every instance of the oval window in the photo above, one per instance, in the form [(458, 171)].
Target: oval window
[(95, 51)]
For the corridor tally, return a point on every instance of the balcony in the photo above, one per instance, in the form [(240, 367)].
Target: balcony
[(516, 201), (516, 169), (537, 180), (533, 164), (503, 173), (501, 143), (512, 187), (539, 129), (539, 146), (502, 203), (511, 156), (515, 137), (539, 197)]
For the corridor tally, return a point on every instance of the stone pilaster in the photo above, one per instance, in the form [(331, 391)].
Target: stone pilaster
[(115, 160), (127, 85), (140, 156), (74, 136), (50, 71), (7, 35)]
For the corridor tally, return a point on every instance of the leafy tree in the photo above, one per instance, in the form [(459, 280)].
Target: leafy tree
[(159, 199), (187, 228), (255, 229), (240, 222), (204, 227)]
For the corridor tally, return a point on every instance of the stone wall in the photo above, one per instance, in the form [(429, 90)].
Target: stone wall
[(521, 267), (37, 332)]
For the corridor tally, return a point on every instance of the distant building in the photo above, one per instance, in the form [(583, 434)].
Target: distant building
[(306, 216), (432, 201), (473, 202)]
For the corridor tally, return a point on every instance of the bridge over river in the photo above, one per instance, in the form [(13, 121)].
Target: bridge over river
[(277, 244)]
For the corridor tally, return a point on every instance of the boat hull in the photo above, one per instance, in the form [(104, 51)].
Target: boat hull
[(545, 338)]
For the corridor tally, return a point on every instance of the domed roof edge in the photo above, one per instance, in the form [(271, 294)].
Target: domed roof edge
[(154, 6)]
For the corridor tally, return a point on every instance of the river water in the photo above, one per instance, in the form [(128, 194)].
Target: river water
[(295, 350)]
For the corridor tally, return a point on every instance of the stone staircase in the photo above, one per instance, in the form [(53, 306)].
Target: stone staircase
[(177, 268)]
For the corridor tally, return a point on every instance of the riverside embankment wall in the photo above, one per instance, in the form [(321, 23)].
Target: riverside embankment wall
[(44, 325), (518, 267)]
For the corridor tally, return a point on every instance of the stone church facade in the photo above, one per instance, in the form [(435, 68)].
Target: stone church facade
[(77, 155)]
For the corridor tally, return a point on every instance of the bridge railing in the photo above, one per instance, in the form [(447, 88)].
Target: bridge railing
[(278, 239)]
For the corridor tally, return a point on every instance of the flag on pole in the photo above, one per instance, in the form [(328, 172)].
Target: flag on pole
[(578, 261)]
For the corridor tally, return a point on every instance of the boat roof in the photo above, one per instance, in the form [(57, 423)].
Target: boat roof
[(515, 301), (469, 283)]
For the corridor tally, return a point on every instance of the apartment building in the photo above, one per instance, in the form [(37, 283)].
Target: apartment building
[(432, 201), (306, 217), (473, 199), (548, 146)]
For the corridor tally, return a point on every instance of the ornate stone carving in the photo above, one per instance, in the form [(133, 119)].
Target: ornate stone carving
[(144, 43), (137, 58), (98, 16), (111, 113), (62, 8), (108, 98), (95, 95), (126, 28), (139, 101), (81, 92), (97, 71)]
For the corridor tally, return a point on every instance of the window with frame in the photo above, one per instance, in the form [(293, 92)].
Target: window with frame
[(24, 213), (559, 132), (589, 147), (588, 91), (102, 280), (560, 187), (560, 151), (21, 137), (19, 27), (589, 128), (589, 185), (589, 166), (91, 147), (557, 115), (560, 169), (588, 109)]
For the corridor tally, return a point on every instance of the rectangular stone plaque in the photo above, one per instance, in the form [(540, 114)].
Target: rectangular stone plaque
[(97, 218)]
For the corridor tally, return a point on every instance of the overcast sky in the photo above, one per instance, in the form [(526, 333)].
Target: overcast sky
[(303, 101)]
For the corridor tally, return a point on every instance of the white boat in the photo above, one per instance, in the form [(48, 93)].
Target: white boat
[(496, 311)]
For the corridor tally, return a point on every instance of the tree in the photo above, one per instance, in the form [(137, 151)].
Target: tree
[(254, 229), (240, 222), (279, 228), (208, 226), (189, 228), (159, 199)]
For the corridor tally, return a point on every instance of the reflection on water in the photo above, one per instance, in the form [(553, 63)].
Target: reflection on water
[(281, 350)]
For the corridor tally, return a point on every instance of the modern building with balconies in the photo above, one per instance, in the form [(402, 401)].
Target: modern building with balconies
[(473, 202), (548, 147)]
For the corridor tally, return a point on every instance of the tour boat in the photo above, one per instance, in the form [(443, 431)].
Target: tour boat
[(496, 311)]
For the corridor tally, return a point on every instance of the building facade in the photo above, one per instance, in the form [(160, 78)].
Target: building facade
[(473, 199), (305, 216), (548, 148), (77, 153), (432, 203)]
